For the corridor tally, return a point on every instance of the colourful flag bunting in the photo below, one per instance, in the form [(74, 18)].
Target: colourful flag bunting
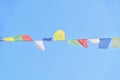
[(47, 39), (26, 38), (83, 42), (73, 42), (94, 40), (59, 35), (115, 42), (104, 43), (18, 38), (40, 45), (8, 39)]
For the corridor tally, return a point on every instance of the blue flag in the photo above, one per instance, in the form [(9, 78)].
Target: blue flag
[(47, 39), (1, 39), (104, 43)]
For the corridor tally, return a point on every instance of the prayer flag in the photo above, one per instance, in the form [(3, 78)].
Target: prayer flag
[(59, 35), (104, 43), (47, 39), (115, 42), (18, 38), (73, 42), (26, 38), (94, 40), (40, 45), (83, 42), (8, 39)]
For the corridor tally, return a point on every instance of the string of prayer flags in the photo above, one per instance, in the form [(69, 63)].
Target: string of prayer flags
[(59, 35)]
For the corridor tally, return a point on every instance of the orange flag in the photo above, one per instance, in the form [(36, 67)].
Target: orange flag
[(83, 42)]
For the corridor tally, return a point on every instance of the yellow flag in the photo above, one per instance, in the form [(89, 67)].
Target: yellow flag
[(115, 42), (8, 39), (59, 35)]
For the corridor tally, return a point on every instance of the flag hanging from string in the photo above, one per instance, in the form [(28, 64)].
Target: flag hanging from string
[(47, 39), (115, 42), (9, 39), (59, 35), (73, 42), (40, 45), (83, 42), (94, 40), (26, 38), (18, 38), (1, 39), (104, 43)]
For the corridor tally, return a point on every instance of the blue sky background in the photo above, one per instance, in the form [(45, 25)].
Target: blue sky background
[(60, 61)]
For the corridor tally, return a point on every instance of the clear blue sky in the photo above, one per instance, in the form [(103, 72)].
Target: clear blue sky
[(60, 61)]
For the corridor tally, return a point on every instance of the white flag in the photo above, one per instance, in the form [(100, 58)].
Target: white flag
[(40, 45), (94, 40)]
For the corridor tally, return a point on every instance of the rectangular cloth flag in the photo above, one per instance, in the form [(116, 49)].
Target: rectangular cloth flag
[(9, 39), (47, 39), (73, 42), (94, 40), (40, 45), (104, 43), (115, 42), (18, 38), (26, 38), (83, 42), (1, 39)]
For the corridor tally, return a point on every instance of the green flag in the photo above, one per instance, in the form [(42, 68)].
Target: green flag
[(18, 38), (115, 42), (73, 42)]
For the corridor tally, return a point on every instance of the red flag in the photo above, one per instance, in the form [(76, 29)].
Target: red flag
[(26, 38), (83, 42)]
